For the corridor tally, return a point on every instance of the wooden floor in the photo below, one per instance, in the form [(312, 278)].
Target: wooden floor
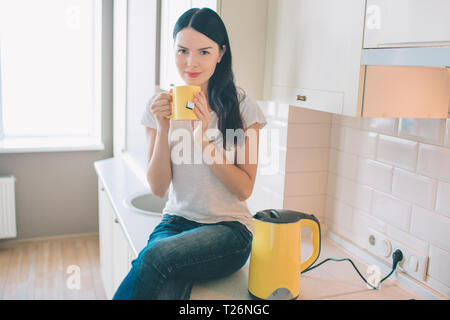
[(63, 268)]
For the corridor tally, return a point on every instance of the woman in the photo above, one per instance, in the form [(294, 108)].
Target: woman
[(206, 229)]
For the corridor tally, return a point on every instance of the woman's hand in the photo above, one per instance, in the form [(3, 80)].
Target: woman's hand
[(200, 126), (160, 107)]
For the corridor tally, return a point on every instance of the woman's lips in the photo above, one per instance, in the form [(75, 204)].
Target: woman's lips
[(193, 74)]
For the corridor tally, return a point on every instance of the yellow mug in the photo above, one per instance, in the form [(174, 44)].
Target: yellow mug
[(183, 102)]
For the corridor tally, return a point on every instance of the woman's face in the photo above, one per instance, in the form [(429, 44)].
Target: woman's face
[(196, 57)]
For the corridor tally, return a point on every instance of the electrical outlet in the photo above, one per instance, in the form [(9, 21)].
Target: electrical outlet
[(413, 263)]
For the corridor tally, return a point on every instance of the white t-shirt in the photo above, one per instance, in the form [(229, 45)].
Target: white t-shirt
[(195, 192)]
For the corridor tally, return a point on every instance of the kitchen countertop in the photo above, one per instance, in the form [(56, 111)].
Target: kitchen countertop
[(332, 280)]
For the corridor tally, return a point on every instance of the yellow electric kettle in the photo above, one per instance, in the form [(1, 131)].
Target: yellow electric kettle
[(275, 260)]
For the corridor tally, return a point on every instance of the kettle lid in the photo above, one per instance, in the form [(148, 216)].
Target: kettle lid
[(281, 216)]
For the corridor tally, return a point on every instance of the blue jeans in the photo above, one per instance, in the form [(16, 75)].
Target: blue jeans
[(180, 252)]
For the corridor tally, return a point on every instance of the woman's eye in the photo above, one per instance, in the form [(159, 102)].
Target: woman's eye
[(183, 51)]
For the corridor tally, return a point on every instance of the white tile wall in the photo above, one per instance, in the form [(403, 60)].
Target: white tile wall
[(408, 239), (334, 186), (424, 130), (431, 227), (439, 265), (314, 204), (299, 154), (399, 152), (361, 223), (375, 174), (343, 164), (309, 159), (414, 188), (337, 138), (380, 125), (308, 135), (434, 162), (307, 152), (392, 210), (443, 198), (305, 183), (360, 142), (391, 175), (339, 213), (356, 195), (397, 181)]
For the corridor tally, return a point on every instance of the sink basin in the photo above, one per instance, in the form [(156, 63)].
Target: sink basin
[(146, 203)]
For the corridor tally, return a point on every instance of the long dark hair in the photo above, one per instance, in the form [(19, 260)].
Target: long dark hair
[(222, 92)]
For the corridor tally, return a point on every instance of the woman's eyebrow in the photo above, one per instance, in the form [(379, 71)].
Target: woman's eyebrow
[(198, 49)]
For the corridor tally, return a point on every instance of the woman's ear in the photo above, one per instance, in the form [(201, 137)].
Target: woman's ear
[(222, 52)]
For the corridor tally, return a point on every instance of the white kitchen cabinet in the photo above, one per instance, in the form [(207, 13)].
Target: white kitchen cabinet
[(313, 60), (313, 53), (407, 23), (105, 224), (246, 26), (121, 262), (115, 252)]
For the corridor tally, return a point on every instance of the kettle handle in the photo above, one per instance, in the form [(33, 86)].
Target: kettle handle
[(311, 222)]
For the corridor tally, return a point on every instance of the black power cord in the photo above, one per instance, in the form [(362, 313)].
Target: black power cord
[(397, 256)]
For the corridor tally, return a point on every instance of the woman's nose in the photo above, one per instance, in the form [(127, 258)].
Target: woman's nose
[(191, 60)]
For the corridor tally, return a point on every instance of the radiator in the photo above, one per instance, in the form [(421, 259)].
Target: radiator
[(7, 208)]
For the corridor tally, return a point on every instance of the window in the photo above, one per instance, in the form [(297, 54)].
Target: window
[(50, 65)]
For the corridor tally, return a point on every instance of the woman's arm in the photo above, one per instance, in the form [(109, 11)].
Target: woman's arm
[(159, 170), (239, 178)]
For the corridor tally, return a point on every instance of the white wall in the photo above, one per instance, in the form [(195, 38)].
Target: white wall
[(142, 72)]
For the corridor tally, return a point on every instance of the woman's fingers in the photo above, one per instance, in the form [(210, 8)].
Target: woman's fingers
[(162, 98), (200, 104), (199, 113), (163, 110), (161, 102), (161, 107)]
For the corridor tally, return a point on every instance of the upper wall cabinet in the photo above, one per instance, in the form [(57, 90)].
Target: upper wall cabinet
[(314, 59), (404, 92), (313, 53), (246, 25), (407, 23)]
